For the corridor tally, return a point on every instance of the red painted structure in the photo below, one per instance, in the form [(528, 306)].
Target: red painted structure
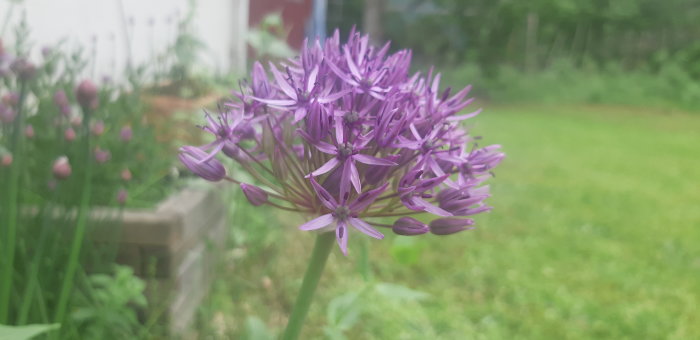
[(295, 14)]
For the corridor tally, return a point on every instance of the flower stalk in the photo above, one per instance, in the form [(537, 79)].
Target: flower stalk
[(319, 257)]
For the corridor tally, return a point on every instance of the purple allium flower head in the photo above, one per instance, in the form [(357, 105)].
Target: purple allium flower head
[(255, 195), (61, 168), (10, 99), (345, 135)]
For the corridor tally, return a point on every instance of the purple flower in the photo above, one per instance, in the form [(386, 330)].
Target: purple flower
[(349, 115), (409, 226), (255, 195), (447, 226), (7, 114), (203, 166), (61, 168), (102, 156), (86, 94), (126, 133), (344, 213), (69, 134)]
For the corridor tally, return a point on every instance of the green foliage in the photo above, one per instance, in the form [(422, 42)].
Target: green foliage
[(268, 40), (670, 87), (592, 236), (25, 332), (107, 309)]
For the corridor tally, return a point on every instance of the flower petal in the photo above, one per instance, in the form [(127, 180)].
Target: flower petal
[(283, 84), (341, 234), (328, 166), (371, 160), (323, 195), (366, 228), (366, 198), (318, 222)]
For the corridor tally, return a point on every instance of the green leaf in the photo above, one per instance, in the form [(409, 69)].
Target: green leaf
[(400, 293), (255, 329), (25, 332)]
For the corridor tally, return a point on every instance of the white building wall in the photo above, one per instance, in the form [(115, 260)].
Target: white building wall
[(151, 25)]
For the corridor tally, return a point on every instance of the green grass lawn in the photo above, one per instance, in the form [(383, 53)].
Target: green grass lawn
[(595, 234)]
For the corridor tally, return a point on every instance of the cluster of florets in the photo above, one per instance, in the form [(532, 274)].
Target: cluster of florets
[(344, 134)]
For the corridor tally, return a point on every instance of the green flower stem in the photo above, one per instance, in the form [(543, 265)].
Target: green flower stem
[(81, 224), (322, 248), (7, 271)]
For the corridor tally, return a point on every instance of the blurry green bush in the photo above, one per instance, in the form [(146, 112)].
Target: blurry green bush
[(671, 86), (66, 147)]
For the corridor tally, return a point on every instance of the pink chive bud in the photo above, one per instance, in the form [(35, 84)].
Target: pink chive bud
[(61, 168), (29, 131), (126, 175), (409, 226), (122, 195), (255, 195), (69, 134), (76, 121), (102, 156), (86, 94), (6, 160), (447, 226), (60, 98), (7, 114), (10, 99), (126, 133), (98, 128)]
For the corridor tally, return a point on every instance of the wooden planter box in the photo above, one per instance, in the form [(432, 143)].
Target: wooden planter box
[(174, 247)]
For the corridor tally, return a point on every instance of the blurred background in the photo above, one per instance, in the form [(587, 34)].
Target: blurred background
[(594, 233)]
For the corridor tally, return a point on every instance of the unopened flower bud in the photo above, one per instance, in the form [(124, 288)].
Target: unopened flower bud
[(86, 94), (255, 195), (409, 226), (29, 131), (102, 156), (7, 114), (126, 133), (60, 98), (126, 175), (196, 160), (122, 195), (69, 134), (6, 160), (61, 168), (447, 226), (10, 99), (98, 128)]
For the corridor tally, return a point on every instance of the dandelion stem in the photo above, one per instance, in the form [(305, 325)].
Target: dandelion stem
[(322, 248)]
